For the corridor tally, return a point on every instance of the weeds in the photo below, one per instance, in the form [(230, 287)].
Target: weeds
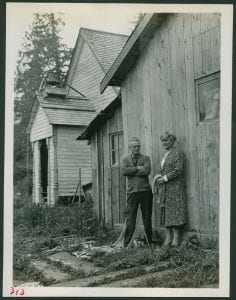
[(58, 220), (127, 258), (39, 229)]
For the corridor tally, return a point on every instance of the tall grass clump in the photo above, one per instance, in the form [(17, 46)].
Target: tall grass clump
[(37, 219)]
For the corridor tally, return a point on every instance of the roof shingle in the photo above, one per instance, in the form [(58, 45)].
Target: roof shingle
[(105, 45)]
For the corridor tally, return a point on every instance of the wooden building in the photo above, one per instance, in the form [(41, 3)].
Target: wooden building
[(169, 76), (94, 53), (105, 133), (60, 114), (57, 156)]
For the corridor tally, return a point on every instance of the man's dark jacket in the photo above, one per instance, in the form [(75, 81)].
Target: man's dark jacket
[(137, 180)]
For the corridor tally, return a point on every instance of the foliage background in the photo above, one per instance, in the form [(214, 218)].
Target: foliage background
[(42, 51)]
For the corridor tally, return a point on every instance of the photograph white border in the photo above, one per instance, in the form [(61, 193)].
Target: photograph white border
[(226, 11)]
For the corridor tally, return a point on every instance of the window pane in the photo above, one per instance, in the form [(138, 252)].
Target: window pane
[(113, 158), (114, 149), (121, 145), (209, 99), (112, 142)]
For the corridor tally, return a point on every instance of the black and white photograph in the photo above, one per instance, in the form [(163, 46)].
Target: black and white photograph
[(117, 150)]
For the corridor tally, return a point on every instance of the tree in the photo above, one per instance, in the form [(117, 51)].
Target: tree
[(42, 51)]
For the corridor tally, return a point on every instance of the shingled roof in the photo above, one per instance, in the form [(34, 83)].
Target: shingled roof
[(68, 111), (105, 45), (77, 111)]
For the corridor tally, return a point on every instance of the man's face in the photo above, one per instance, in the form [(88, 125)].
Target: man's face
[(134, 146)]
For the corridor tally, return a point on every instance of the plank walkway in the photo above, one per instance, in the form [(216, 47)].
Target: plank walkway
[(65, 270)]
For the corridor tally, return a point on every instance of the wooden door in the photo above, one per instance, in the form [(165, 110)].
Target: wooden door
[(208, 102)]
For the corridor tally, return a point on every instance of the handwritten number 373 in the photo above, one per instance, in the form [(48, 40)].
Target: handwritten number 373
[(17, 292)]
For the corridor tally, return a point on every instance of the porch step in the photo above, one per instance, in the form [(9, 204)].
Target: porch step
[(48, 273), (74, 264)]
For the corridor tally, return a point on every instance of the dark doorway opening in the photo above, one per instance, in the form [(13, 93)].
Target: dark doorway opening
[(44, 168)]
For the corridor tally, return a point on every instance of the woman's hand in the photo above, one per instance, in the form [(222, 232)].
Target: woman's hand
[(157, 176), (160, 181)]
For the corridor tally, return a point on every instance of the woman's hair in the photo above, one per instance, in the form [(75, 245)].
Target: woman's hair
[(168, 135)]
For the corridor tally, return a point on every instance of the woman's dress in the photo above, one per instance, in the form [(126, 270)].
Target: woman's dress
[(174, 206)]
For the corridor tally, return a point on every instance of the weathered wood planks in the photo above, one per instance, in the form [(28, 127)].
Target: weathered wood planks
[(186, 47)]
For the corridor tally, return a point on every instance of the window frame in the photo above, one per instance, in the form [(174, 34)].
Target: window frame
[(198, 82), (116, 150)]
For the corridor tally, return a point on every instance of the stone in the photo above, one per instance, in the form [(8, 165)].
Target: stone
[(49, 272), (99, 280), (75, 263)]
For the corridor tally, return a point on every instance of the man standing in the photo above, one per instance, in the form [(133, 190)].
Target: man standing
[(137, 167)]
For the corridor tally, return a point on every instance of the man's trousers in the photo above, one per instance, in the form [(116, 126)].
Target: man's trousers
[(144, 199)]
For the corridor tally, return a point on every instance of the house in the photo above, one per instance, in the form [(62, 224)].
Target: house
[(94, 53), (60, 114), (53, 127), (169, 76)]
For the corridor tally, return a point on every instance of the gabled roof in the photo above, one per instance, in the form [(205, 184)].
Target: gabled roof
[(105, 46), (133, 48), (77, 111)]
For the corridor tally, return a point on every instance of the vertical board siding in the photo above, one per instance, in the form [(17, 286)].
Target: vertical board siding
[(158, 94), (87, 77), (41, 128), (71, 155), (94, 160), (193, 200), (108, 182)]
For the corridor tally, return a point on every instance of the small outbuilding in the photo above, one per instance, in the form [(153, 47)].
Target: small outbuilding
[(53, 127)]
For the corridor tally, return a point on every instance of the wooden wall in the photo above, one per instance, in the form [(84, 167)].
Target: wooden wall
[(108, 182), (71, 155), (87, 77), (159, 94), (41, 128)]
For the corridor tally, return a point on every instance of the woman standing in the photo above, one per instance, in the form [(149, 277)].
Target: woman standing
[(170, 182)]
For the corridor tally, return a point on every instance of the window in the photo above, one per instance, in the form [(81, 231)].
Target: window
[(208, 97), (116, 148)]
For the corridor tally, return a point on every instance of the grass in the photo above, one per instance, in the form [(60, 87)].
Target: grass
[(43, 220), (39, 229), (189, 275), (190, 266), (42, 230)]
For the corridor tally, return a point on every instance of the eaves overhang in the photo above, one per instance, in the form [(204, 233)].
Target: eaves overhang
[(132, 50)]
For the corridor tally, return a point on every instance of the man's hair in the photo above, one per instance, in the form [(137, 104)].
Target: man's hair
[(134, 139)]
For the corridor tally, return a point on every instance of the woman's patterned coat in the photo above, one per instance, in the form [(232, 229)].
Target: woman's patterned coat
[(175, 198)]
